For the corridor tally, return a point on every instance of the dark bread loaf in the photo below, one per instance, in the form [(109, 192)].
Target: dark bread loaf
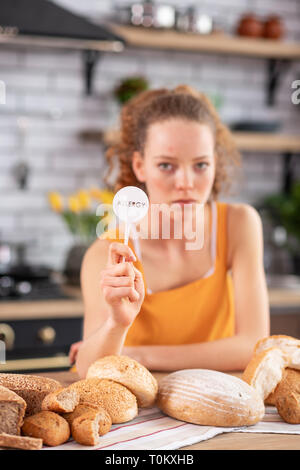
[(12, 410)]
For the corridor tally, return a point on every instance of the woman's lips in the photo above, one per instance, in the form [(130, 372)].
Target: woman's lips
[(184, 201)]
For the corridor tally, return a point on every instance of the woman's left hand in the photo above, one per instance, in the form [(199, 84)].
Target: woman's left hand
[(137, 353)]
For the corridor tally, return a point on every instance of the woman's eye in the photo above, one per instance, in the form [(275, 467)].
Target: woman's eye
[(200, 165), (165, 166)]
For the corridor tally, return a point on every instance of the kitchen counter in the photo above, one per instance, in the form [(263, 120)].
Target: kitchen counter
[(281, 299), (230, 441)]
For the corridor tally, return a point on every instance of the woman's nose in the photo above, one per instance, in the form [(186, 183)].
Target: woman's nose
[(184, 179)]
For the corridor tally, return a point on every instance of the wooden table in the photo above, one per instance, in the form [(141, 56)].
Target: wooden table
[(230, 441)]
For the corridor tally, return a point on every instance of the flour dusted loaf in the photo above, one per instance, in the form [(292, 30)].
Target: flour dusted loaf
[(12, 410), (32, 388), (209, 398), (288, 344), (116, 399), (265, 369), (127, 372)]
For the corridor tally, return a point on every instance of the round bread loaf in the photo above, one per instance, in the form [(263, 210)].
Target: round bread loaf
[(116, 399), (289, 383), (288, 344), (49, 426), (127, 372), (209, 398), (264, 371), (32, 388)]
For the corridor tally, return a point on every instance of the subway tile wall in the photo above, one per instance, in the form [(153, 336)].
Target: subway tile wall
[(46, 87)]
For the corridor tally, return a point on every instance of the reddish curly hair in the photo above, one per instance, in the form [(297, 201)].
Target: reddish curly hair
[(159, 105)]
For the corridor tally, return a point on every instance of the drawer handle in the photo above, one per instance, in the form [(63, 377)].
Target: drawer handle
[(47, 334), (7, 335)]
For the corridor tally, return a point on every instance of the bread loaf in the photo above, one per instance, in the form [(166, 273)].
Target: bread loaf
[(31, 388), (12, 410), (52, 428), (288, 407), (63, 400), (289, 383), (127, 372), (288, 344), (85, 427), (20, 442), (209, 398), (116, 399), (264, 371), (104, 421)]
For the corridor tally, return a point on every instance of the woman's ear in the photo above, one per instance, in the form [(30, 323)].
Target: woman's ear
[(138, 166)]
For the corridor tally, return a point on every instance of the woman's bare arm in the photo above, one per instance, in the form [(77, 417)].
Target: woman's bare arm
[(250, 303)]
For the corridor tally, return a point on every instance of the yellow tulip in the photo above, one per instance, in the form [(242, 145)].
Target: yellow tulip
[(74, 204), (84, 199), (102, 195), (56, 201)]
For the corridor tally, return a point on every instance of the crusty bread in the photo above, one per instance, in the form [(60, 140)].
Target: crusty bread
[(264, 371), (63, 400), (118, 401), (288, 407), (104, 421), (31, 388), (52, 428), (20, 442), (85, 427), (288, 344), (209, 398), (12, 410), (127, 372), (289, 383)]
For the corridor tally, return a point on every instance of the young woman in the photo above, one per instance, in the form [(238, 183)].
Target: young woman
[(168, 307)]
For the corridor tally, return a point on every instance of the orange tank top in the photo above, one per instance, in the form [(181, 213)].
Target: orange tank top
[(202, 310)]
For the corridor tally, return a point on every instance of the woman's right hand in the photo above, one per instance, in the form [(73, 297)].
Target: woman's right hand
[(122, 285)]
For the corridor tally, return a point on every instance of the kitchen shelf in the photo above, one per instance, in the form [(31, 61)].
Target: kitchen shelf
[(215, 42), (246, 141)]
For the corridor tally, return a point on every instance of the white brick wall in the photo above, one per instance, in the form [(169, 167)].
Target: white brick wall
[(47, 86)]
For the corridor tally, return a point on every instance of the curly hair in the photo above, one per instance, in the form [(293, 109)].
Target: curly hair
[(159, 105)]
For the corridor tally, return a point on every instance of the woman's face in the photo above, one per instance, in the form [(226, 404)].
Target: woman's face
[(178, 162)]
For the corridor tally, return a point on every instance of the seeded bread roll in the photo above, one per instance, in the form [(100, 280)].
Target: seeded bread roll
[(63, 400), (209, 398), (264, 371), (31, 388), (52, 428), (12, 410), (288, 344), (127, 372), (85, 428), (116, 399), (20, 442), (289, 383), (104, 421)]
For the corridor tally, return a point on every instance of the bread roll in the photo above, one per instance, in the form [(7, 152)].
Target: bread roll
[(63, 400), (12, 410), (264, 371), (104, 421), (31, 388), (116, 399), (288, 344), (52, 428), (289, 383), (85, 427), (20, 442), (209, 398), (127, 372), (288, 407)]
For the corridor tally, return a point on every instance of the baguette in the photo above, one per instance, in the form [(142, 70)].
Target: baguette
[(265, 369), (31, 388), (127, 372), (288, 344), (20, 442), (209, 398), (12, 410), (63, 400), (52, 428)]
